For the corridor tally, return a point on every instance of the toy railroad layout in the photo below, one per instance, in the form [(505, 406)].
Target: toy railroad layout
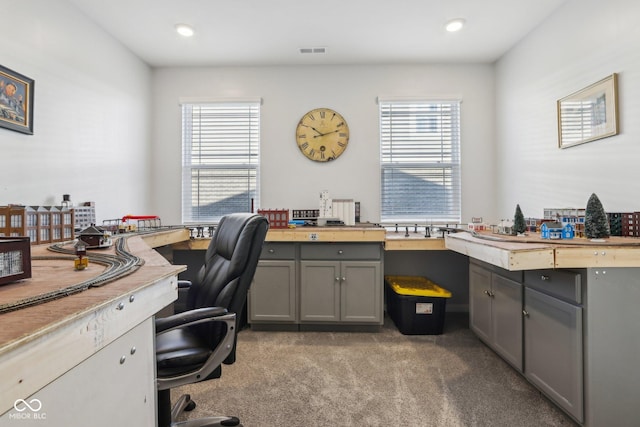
[(118, 265)]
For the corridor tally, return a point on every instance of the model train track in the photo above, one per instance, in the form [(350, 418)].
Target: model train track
[(119, 265)]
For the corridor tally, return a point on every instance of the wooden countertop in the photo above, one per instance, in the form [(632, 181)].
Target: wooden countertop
[(392, 241), (41, 342), (531, 253)]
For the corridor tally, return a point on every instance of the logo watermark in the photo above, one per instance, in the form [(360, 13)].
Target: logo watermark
[(28, 410)]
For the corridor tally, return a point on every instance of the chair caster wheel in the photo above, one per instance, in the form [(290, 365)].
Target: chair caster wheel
[(233, 421)]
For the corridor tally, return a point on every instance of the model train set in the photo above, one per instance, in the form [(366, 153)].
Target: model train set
[(120, 264)]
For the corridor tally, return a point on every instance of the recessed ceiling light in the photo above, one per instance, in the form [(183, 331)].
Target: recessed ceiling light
[(455, 25), (184, 30), (312, 50)]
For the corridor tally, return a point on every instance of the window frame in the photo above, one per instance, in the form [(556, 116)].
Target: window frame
[(210, 154), (410, 131)]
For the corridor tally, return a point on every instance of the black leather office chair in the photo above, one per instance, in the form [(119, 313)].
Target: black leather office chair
[(192, 345)]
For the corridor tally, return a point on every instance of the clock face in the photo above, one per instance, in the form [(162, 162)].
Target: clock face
[(322, 135)]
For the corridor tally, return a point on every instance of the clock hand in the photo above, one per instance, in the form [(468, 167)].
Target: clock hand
[(323, 134), (314, 129)]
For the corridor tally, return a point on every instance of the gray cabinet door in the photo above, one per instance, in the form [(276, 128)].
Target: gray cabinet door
[(320, 291), (495, 312), (553, 349), (361, 292), (272, 295), (506, 312), (480, 302)]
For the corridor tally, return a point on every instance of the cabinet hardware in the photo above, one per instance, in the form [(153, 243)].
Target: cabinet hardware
[(525, 313), (120, 306), (543, 277)]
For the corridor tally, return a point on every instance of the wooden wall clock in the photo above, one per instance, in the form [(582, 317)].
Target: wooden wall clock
[(322, 135)]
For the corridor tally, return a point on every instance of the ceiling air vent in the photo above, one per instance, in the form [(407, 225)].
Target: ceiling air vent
[(306, 50)]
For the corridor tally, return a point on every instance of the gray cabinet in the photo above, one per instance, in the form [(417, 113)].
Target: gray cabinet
[(495, 310), (341, 283), (341, 291), (553, 337), (272, 295), (317, 284)]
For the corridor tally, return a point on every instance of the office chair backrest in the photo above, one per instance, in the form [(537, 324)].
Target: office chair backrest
[(230, 263)]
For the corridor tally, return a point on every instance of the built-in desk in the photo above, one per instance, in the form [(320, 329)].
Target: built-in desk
[(564, 314), (87, 358)]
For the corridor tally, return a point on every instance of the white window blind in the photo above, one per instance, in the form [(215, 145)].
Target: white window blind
[(221, 159), (420, 161)]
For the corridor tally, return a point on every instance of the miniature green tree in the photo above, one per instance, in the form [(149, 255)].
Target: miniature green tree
[(596, 224), (519, 225)]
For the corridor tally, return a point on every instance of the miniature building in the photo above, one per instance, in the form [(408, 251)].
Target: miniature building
[(532, 224), (568, 231), (558, 213), (477, 224), (551, 230), (477, 227), (85, 215), (95, 237), (505, 226), (42, 224)]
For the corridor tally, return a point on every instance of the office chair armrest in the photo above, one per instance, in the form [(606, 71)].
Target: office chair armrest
[(180, 304), (188, 318), (184, 284), (219, 354)]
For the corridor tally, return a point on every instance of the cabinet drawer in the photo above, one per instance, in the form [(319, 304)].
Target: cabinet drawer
[(516, 276), (278, 251), (563, 284), (338, 251)]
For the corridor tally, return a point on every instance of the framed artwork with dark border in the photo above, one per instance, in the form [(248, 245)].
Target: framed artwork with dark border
[(589, 114), (16, 101)]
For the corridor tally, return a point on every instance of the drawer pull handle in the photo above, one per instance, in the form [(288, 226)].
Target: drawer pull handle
[(272, 251), (337, 279), (525, 313), (544, 278), (489, 293), (340, 252)]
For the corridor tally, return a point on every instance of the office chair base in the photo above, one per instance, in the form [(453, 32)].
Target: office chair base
[(209, 422), (184, 403)]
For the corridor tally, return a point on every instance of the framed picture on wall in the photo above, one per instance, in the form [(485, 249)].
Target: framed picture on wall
[(16, 101), (589, 114)]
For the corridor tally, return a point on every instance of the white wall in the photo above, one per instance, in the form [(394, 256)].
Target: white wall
[(288, 179), (585, 41), (92, 113)]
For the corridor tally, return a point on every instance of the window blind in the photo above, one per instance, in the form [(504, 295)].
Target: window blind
[(221, 159), (420, 161)]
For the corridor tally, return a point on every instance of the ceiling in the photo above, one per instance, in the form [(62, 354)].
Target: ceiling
[(272, 32)]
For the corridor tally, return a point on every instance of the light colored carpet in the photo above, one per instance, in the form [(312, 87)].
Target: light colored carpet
[(372, 379)]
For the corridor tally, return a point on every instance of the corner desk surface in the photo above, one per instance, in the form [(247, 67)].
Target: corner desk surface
[(515, 253), (41, 343)]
